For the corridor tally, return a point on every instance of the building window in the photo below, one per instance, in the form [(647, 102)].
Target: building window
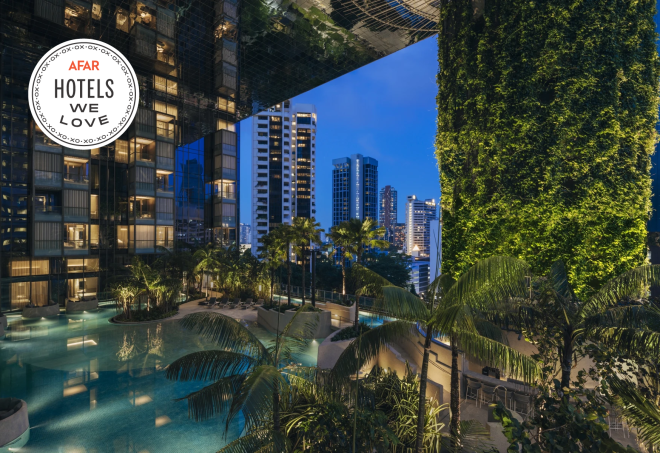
[(226, 105), (226, 126), (165, 85)]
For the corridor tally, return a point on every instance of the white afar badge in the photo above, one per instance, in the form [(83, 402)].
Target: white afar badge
[(83, 94)]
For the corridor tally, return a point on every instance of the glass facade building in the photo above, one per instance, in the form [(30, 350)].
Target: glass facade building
[(354, 188), (71, 219)]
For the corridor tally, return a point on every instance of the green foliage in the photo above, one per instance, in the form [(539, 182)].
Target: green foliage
[(569, 421), (546, 116), (350, 332), (395, 267)]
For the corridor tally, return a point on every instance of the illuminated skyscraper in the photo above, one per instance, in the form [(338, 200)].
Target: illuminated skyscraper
[(387, 211), (354, 188), (419, 215), (283, 167)]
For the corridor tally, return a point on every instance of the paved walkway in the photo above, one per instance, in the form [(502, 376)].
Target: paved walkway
[(247, 315)]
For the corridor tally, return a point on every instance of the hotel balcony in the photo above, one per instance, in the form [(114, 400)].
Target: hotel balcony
[(44, 178), (226, 78), (43, 143), (75, 214), (142, 151), (47, 213), (47, 247), (76, 173), (164, 184)]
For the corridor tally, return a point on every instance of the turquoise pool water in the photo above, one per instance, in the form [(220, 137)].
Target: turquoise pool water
[(92, 386)]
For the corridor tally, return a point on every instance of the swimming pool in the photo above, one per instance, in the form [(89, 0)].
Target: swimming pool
[(92, 386)]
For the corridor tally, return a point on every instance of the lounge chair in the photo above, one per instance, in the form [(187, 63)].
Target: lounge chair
[(223, 303), (212, 302), (243, 306)]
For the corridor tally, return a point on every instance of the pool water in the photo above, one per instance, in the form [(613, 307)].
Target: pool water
[(92, 386)]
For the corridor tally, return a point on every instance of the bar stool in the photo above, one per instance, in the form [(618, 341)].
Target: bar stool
[(487, 394), (472, 392)]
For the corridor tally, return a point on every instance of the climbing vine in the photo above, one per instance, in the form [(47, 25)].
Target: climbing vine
[(546, 115)]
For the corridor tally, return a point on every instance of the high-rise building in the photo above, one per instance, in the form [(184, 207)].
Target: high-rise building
[(398, 238), (283, 167), (71, 217), (435, 255), (245, 235), (354, 188), (387, 211), (419, 215)]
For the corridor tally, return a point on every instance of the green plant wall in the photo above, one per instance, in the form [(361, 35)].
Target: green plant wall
[(546, 115)]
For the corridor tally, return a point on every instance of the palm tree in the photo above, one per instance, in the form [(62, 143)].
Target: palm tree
[(339, 238), (272, 253), (454, 310), (305, 232), (247, 376), (284, 233), (207, 260), (359, 235), (568, 322)]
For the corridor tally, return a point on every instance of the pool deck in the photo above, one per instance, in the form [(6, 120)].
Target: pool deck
[(247, 315)]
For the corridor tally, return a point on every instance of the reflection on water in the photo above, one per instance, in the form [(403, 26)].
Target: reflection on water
[(96, 387)]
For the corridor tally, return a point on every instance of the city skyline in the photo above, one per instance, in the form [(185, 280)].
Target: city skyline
[(358, 118)]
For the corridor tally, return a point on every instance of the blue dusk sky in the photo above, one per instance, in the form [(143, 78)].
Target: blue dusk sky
[(385, 110)]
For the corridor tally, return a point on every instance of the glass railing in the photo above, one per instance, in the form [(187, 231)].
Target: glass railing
[(144, 157), (229, 221), (168, 244), (76, 212), (47, 244), (164, 162), (43, 143), (76, 178), (55, 210), (75, 244), (50, 178), (164, 216), (226, 195), (164, 132), (164, 187), (145, 186), (143, 244), (148, 215)]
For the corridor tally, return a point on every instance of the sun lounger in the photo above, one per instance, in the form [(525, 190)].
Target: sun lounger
[(212, 302)]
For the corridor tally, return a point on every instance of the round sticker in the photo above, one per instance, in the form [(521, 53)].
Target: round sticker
[(83, 94)]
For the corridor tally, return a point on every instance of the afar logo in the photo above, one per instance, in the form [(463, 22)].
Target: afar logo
[(83, 94)]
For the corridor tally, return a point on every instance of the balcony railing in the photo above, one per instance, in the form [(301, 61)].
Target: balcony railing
[(161, 187), (48, 178), (47, 244), (164, 132), (143, 186), (144, 156), (144, 215), (43, 143), (76, 178), (77, 244), (226, 195), (45, 210), (143, 244), (164, 162), (164, 216), (166, 243), (76, 212)]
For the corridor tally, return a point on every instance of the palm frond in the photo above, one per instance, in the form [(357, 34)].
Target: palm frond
[(367, 348), (371, 283), (489, 330), (306, 330), (638, 410), (629, 340), (401, 304), (258, 441), (472, 437), (559, 280), (213, 399), (628, 284), (208, 365), (490, 281), (445, 319), (255, 396), (634, 316), (226, 332), (441, 284), (498, 355)]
